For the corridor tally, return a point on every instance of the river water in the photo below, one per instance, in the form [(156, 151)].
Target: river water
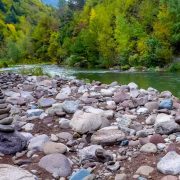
[(160, 80)]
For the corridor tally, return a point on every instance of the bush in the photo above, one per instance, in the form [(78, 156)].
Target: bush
[(174, 67), (125, 67), (3, 65)]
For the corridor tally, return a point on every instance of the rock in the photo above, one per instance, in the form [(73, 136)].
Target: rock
[(166, 104), (166, 94), (168, 127), (64, 93), (87, 122), (65, 136), (11, 143), (28, 127), (142, 110), (132, 85), (121, 177), (169, 164), (107, 92), (51, 148), (107, 136), (54, 138), (151, 119), (134, 93), (123, 121), (34, 112), (56, 164), (163, 118), (152, 106), (149, 148), (64, 123), (80, 175), (37, 143), (120, 97), (88, 152), (9, 172), (6, 128), (70, 106), (177, 119), (156, 139), (114, 167), (144, 132), (169, 177), (6, 121), (145, 170), (46, 102)]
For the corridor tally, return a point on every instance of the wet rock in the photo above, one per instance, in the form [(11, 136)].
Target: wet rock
[(10, 143), (166, 104), (14, 173), (168, 127), (56, 164), (149, 148), (169, 164), (107, 136), (37, 143), (70, 106), (87, 122)]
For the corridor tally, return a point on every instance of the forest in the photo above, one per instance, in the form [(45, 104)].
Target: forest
[(91, 33)]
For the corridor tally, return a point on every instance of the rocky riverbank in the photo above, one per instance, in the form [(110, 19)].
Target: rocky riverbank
[(68, 129)]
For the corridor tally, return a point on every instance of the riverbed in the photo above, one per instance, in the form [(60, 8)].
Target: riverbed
[(160, 80)]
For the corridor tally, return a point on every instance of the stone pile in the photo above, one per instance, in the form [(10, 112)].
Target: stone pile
[(10, 141), (9, 80)]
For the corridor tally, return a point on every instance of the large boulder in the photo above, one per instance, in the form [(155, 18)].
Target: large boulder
[(169, 164), (83, 122), (109, 135), (56, 164), (9, 172)]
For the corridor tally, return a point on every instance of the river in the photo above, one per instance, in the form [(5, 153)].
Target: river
[(160, 80)]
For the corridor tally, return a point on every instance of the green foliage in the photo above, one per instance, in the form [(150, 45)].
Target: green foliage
[(175, 67), (36, 71), (91, 33)]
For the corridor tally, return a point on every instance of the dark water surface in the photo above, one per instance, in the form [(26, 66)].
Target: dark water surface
[(159, 80)]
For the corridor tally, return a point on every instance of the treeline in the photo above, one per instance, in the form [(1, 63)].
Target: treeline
[(91, 33), (26, 30), (108, 33)]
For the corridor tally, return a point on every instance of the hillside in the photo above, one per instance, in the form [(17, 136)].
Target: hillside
[(21, 25)]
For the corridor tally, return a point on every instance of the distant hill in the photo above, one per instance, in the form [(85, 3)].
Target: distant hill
[(53, 3)]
